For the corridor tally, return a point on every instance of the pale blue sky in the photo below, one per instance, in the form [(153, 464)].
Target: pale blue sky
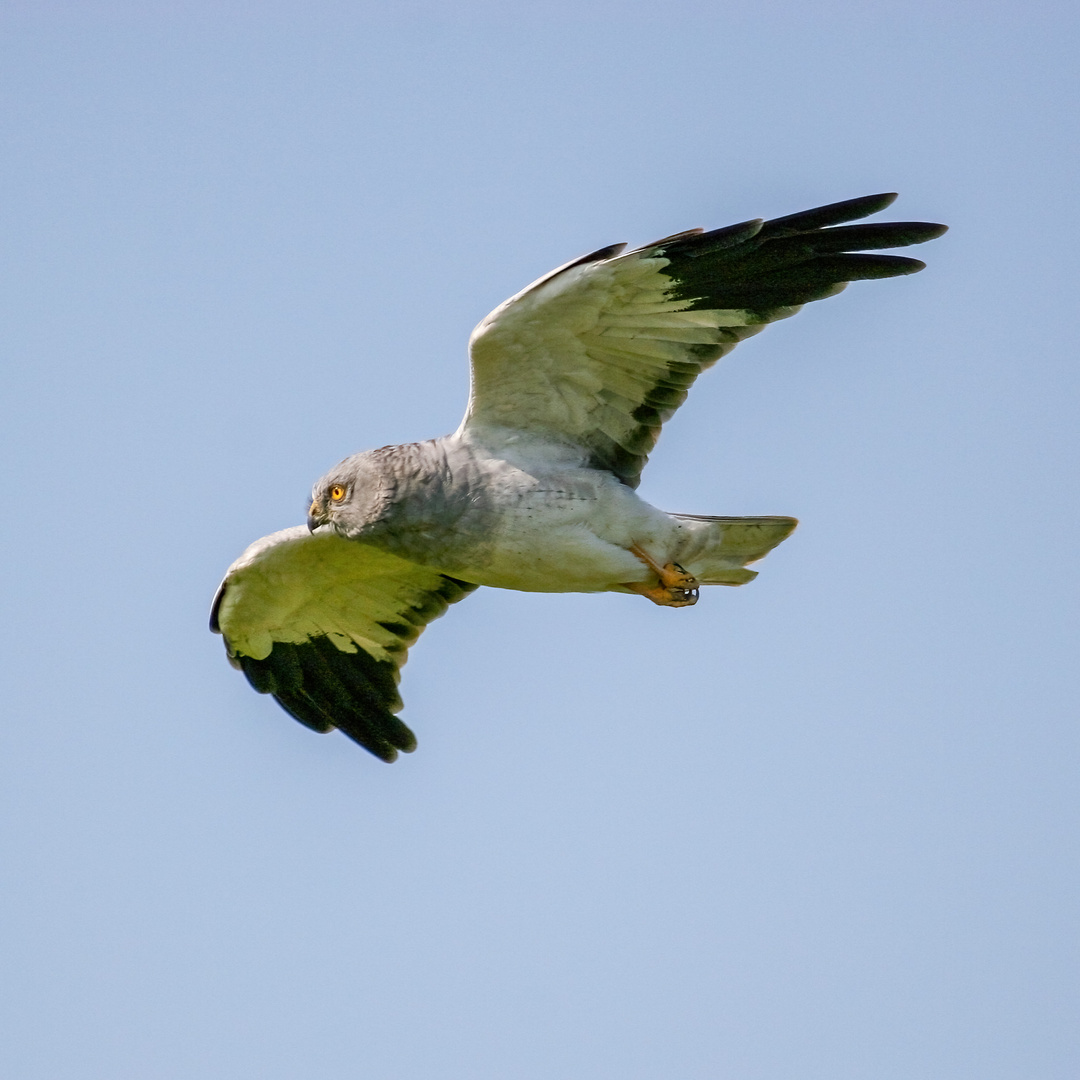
[(818, 828)]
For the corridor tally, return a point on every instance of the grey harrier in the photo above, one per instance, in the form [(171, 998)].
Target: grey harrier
[(571, 382)]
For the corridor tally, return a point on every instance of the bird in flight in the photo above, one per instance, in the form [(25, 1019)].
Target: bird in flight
[(572, 379)]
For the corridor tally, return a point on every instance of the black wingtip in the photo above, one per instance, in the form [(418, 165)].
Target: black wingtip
[(382, 748), (831, 214), (215, 608), (886, 198), (376, 748), (931, 230), (325, 688)]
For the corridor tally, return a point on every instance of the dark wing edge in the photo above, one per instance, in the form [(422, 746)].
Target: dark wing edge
[(767, 267), (315, 677), (767, 270)]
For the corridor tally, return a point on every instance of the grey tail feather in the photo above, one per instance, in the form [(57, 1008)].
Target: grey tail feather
[(716, 550)]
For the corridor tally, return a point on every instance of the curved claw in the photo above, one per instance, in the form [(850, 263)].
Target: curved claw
[(676, 587)]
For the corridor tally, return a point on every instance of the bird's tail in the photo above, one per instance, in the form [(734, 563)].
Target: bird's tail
[(716, 550)]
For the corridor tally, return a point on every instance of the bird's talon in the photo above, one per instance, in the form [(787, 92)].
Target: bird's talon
[(676, 588)]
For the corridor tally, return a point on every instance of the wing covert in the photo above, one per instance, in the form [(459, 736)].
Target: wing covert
[(324, 625), (601, 352)]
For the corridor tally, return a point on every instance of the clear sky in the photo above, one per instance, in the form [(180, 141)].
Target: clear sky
[(818, 828)]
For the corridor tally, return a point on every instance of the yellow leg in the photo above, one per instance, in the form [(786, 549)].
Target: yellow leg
[(675, 587)]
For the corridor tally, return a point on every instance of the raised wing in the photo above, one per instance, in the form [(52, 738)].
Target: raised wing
[(602, 351), (324, 624)]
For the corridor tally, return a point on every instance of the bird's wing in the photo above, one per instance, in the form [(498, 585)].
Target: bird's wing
[(599, 353), (324, 624)]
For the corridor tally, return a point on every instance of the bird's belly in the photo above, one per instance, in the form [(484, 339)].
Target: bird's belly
[(559, 540), (569, 559)]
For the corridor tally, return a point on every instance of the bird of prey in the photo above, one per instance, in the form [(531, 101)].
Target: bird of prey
[(572, 379)]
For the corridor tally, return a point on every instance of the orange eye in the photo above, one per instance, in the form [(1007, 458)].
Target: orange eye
[(337, 493)]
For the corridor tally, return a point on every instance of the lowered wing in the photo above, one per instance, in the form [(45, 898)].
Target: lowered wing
[(599, 353), (324, 624)]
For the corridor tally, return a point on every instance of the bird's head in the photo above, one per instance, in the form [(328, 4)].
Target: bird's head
[(349, 497)]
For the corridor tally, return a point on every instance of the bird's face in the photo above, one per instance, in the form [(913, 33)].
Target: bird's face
[(350, 497), (328, 496)]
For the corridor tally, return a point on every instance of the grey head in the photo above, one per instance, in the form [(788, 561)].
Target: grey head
[(352, 496)]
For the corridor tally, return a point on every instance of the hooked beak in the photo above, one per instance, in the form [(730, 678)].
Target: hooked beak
[(316, 516)]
